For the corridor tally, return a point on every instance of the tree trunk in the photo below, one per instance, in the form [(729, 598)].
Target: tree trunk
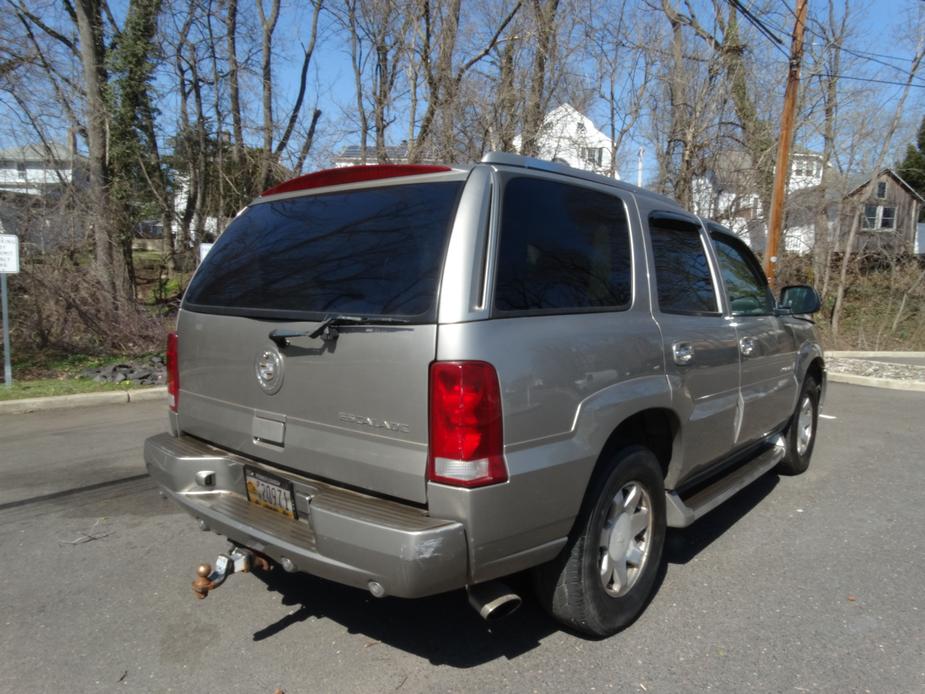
[(545, 21), (268, 27), (231, 37), (105, 230)]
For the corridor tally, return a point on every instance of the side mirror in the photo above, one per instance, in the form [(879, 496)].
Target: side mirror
[(799, 299)]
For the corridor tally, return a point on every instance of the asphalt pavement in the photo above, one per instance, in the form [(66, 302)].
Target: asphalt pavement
[(803, 584)]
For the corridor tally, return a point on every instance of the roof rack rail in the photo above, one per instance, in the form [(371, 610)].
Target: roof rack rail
[(508, 159)]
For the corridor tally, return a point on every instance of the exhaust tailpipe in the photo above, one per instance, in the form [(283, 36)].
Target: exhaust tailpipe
[(493, 600)]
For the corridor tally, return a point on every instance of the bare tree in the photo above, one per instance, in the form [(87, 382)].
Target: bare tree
[(439, 27)]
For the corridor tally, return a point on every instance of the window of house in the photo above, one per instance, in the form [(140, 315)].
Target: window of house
[(682, 272), (869, 220), (887, 217), (593, 155), (563, 249), (881, 189), (21, 169), (798, 167)]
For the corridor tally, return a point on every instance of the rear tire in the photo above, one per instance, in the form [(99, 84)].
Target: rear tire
[(603, 578), (801, 431)]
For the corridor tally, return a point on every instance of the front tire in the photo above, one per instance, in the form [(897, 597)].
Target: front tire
[(801, 431), (605, 575)]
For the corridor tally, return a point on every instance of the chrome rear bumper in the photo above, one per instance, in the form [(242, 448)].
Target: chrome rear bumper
[(341, 535)]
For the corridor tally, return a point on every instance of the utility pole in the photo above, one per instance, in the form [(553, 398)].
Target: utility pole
[(775, 218)]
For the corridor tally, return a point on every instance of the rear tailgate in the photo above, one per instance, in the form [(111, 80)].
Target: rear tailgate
[(355, 414), (353, 409)]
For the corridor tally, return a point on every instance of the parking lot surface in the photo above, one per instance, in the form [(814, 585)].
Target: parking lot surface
[(804, 584)]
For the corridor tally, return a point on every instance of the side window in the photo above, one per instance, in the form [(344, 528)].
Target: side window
[(682, 272), (562, 247), (746, 285)]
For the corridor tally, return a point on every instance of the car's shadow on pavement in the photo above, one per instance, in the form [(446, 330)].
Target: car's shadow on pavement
[(444, 629)]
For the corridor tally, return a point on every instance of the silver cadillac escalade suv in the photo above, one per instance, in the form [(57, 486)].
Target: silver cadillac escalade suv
[(414, 379)]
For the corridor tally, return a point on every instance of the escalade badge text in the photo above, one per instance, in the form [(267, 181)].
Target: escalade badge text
[(372, 422), (269, 369)]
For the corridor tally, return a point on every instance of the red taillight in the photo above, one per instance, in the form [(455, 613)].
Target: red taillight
[(173, 373), (352, 174), (466, 445)]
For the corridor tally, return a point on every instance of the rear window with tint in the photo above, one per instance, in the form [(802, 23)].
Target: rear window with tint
[(563, 249), (374, 251)]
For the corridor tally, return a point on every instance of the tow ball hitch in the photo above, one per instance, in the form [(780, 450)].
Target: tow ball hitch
[(239, 560)]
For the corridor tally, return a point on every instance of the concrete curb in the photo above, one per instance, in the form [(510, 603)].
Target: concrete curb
[(874, 382), (874, 355), (82, 400)]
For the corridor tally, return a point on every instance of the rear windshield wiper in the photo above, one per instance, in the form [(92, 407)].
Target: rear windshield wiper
[(327, 330)]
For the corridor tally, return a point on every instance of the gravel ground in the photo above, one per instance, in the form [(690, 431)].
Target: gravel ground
[(876, 369)]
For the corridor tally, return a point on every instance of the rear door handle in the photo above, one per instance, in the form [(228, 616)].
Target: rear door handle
[(682, 352), (747, 346)]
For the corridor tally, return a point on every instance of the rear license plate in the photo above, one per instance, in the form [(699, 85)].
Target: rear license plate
[(270, 492)]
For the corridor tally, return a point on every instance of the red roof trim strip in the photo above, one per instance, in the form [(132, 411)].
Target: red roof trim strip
[(352, 174)]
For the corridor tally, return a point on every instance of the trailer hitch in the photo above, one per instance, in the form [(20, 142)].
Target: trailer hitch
[(239, 560)]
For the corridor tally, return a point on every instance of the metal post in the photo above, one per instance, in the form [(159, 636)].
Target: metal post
[(7, 362), (639, 167)]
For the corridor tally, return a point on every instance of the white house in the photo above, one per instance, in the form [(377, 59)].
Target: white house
[(566, 136), (726, 193), (35, 170)]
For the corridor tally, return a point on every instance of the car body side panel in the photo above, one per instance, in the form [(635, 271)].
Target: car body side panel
[(808, 350), (597, 370), (526, 521), (769, 382), (567, 382), (705, 392)]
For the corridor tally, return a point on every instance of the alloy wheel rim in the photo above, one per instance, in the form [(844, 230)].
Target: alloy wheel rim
[(805, 426), (625, 539)]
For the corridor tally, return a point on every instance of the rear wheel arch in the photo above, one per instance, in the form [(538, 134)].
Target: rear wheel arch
[(654, 428)]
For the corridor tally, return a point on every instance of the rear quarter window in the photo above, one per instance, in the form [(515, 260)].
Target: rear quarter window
[(563, 248), (373, 251)]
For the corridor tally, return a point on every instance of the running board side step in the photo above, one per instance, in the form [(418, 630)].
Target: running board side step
[(682, 512)]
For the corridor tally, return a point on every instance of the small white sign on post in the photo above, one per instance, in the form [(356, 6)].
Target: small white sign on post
[(9, 265), (9, 254)]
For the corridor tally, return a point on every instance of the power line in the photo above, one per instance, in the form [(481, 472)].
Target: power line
[(854, 51), (762, 28), (864, 55), (756, 22), (881, 62), (876, 81)]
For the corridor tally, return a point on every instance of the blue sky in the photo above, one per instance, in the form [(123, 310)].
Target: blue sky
[(885, 33)]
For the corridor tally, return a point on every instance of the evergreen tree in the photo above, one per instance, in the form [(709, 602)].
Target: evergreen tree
[(912, 167)]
